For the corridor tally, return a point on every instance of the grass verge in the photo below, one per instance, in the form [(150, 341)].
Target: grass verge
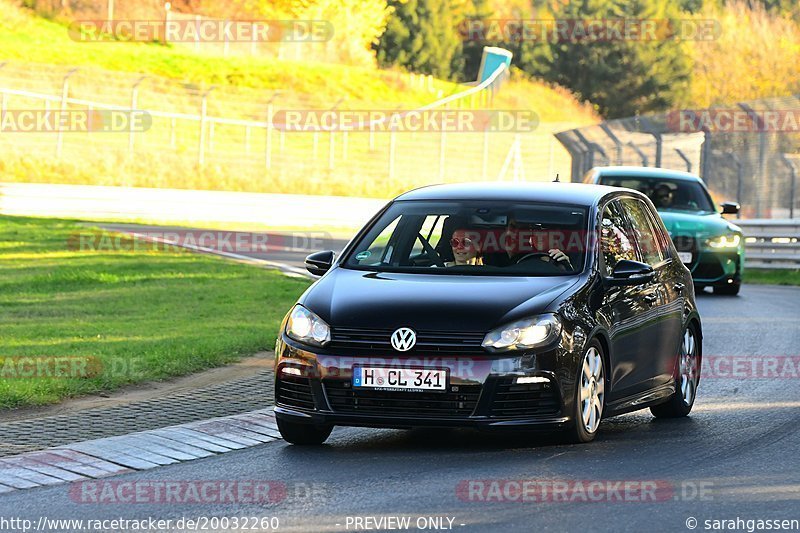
[(133, 316), (772, 277)]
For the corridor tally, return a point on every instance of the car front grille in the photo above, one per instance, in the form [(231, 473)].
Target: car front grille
[(709, 269), (684, 243), (529, 399), (294, 391), (456, 402), (376, 341)]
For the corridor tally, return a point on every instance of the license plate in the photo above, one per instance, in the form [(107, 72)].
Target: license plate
[(685, 257), (400, 378)]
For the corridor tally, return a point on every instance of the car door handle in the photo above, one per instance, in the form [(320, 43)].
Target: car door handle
[(679, 287)]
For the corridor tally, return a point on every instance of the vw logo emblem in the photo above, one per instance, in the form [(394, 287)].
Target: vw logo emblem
[(403, 339)]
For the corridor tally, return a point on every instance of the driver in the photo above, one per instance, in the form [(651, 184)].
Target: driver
[(465, 249), (519, 246), (662, 196)]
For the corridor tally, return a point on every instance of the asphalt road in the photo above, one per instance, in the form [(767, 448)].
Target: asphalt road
[(735, 457)]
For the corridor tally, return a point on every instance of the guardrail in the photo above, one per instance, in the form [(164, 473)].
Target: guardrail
[(771, 243)]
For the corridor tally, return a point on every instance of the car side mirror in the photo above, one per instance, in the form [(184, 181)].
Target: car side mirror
[(730, 208), (320, 262), (628, 272)]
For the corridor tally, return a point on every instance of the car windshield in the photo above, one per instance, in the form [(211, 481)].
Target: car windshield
[(480, 238), (682, 195)]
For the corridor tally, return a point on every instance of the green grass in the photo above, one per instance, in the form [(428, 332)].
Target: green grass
[(24, 36), (135, 316), (772, 277)]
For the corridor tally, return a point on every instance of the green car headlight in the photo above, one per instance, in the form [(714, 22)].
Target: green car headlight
[(724, 241)]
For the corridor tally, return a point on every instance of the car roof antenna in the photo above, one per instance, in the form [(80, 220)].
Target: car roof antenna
[(556, 180)]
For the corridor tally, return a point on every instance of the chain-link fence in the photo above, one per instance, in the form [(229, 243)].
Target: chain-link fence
[(224, 139), (747, 152)]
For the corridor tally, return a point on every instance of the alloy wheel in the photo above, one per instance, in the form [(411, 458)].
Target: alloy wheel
[(592, 390)]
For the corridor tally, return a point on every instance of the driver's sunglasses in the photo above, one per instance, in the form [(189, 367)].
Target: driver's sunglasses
[(455, 242)]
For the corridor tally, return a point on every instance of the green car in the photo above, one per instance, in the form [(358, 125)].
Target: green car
[(710, 246)]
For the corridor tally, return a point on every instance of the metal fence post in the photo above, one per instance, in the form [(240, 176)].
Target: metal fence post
[(201, 149), (685, 159), (615, 140), (739, 178), (270, 126), (705, 155), (332, 140), (64, 96), (792, 182), (645, 160), (659, 147), (134, 106), (762, 172)]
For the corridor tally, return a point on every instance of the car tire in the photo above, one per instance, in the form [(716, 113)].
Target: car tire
[(303, 434), (589, 395), (687, 379), (731, 289)]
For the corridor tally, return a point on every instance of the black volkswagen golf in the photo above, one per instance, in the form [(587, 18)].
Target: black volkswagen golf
[(528, 306)]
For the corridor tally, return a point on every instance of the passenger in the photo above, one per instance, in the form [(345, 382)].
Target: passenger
[(465, 249)]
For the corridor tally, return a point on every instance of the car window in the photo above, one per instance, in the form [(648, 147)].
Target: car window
[(382, 245), (644, 232), (475, 237), (676, 194), (431, 230), (615, 243)]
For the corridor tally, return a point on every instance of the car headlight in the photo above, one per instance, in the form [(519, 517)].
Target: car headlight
[(524, 334), (724, 241), (305, 326)]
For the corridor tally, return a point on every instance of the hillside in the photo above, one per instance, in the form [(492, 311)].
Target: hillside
[(38, 53)]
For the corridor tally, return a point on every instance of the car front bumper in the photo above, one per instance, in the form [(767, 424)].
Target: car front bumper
[(481, 391), (716, 268)]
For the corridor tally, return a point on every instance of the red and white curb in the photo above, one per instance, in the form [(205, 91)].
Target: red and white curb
[(137, 451)]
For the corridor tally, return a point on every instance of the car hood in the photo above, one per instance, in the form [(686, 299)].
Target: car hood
[(699, 224), (432, 302)]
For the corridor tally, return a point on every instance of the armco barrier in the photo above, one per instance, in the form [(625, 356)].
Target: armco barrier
[(771, 243)]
